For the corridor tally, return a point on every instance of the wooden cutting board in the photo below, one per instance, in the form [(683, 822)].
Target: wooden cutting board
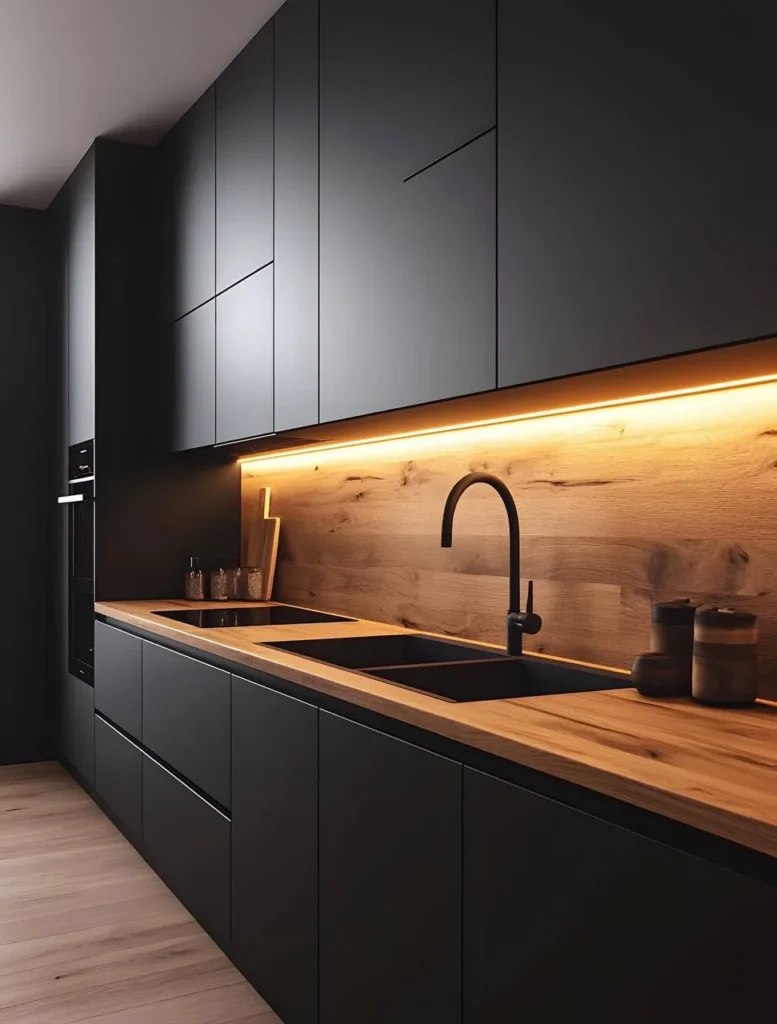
[(260, 534)]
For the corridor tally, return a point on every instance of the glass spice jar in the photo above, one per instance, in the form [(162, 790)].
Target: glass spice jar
[(233, 584), (218, 585), (252, 584)]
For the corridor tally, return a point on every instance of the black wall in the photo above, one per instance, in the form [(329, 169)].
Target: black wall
[(28, 492)]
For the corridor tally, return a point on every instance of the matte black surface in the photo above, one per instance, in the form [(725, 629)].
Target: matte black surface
[(76, 725), (570, 918), (82, 256), (188, 209), (500, 680), (188, 843), (390, 879), (296, 214), (244, 162), (408, 302), (275, 847), (244, 358), (374, 651), (636, 182), (186, 719), (28, 510), (271, 615), (192, 376), (118, 776), (118, 677)]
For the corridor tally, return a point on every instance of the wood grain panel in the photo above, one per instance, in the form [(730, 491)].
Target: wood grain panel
[(707, 767), (619, 507)]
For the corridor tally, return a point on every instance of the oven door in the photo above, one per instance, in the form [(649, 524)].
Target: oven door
[(80, 510)]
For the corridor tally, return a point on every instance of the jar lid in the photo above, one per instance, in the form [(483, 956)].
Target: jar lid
[(724, 618), (673, 613)]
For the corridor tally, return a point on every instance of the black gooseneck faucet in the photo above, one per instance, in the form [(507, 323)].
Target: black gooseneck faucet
[(518, 622)]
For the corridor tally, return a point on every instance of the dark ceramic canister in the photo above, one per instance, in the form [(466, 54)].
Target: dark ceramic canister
[(725, 657), (660, 675), (671, 633)]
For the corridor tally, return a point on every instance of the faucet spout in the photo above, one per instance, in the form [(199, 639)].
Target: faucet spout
[(518, 622)]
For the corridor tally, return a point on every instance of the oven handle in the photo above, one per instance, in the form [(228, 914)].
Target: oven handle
[(67, 499)]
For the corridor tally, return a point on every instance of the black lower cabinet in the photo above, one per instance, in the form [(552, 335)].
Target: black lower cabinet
[(118, 777), (570, 918), (390, 879), (76, 726), (187, 842), (118, 672), (186, 718), (275, 847)]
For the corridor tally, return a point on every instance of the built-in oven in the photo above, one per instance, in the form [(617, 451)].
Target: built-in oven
[(79, 502)]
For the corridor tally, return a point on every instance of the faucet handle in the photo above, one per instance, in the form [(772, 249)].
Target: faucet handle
[(529, 622)]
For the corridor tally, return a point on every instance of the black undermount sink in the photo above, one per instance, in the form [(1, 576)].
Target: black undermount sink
[(454, 671), (384, 651), (269, 615)]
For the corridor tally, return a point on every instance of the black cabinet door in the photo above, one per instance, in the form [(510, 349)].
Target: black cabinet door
[(296, 214), (636, 170), (188, 209), (407, 218), (118, 677), (275, 847), (187, 842), (244, 358), (244, 162), (570, 918), (190, 372), (389, 878), (118, 777), (76, 723), (81, 314), (186, 719)]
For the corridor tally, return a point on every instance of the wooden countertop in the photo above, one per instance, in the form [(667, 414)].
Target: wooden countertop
[(710, 768)]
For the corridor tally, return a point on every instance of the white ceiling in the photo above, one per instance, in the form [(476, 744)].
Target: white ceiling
[(71, 70)]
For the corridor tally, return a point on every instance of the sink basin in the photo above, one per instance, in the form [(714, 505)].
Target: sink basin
[(371, 652), (451, 670), (270, 615), (501, 679)]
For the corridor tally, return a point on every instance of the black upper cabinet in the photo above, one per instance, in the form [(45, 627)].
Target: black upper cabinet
[(244, 162), (275, 847), (296, 214), (81, 305), (571, 918), (390, 879), (408, 300), (190, 399), (244, 358), (637, 161), (188, 210)]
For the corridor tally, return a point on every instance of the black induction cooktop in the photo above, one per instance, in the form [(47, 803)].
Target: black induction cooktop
[(270, 615)]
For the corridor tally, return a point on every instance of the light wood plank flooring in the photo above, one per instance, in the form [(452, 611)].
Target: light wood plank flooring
[(88, 931)]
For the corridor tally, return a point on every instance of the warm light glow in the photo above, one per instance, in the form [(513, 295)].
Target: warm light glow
[(448, 438)]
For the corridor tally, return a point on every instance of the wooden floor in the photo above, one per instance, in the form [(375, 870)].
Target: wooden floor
[(88, 931)]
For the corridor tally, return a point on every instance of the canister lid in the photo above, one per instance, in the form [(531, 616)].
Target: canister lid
[(673, 613), (724, 618)]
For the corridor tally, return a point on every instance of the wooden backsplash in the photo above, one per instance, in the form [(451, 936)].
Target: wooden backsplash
[(619, 507)]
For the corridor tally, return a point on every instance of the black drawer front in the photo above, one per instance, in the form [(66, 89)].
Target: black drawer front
[(187, 842), (118, 674), (186, 718), (118, 776)]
